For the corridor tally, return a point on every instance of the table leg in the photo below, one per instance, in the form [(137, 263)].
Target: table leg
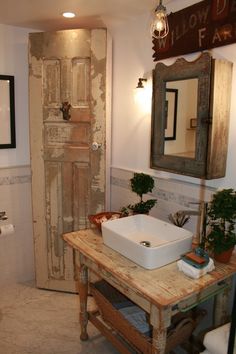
[(221, 305), (160, 320), (83, 295), (158, 341)]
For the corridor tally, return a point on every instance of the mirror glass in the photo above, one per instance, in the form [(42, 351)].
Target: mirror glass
[(181, 117), (5, 131), (7, 112)]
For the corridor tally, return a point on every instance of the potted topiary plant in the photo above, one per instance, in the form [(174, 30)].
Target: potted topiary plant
[(140, 184), (221, 217)]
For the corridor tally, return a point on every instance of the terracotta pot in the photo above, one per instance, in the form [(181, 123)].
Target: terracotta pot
[(224, 257)]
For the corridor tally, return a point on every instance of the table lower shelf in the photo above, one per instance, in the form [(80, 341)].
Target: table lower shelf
[(122, 344), (123, 334)]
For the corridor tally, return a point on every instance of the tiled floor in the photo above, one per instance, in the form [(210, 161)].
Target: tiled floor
[(34, 321)]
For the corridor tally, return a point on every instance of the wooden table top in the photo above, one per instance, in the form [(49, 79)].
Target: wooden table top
[(164, 286)]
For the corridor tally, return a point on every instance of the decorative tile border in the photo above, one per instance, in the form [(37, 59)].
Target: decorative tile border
[(123, 183), (160, 194), (14, 180)]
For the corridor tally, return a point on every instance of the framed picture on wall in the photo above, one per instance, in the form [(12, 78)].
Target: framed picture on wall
[(7, 112), (171, 105)]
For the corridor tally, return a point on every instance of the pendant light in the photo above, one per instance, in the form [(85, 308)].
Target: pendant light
[(159, 24)]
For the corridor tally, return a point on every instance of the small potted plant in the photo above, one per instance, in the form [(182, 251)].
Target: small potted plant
[(221, 217), (140, 184)]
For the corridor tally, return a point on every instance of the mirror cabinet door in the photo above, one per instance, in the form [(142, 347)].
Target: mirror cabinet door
[(182, 116)]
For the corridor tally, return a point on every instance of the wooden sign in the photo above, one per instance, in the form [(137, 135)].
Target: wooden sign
[(207, 24)]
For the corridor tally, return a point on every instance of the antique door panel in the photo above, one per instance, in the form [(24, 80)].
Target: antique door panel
[(68, 177)]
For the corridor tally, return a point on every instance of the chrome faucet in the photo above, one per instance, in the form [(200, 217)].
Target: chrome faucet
[(194, 211), (201, 227)]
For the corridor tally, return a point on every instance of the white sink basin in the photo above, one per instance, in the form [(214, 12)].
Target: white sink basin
[(147, 241)]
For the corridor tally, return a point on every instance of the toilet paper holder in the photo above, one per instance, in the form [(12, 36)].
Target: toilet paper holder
[(3, 216)]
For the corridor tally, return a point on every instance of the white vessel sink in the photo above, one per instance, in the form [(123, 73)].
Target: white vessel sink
[(147, 241)]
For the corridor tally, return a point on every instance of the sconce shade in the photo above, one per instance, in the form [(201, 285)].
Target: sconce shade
[(159, 25)]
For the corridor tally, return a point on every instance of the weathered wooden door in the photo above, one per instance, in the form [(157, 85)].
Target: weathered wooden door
[(67, 69)]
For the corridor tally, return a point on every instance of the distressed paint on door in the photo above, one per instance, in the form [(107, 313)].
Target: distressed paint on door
[(68, 178)]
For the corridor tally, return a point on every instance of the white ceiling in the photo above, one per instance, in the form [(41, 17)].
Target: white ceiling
[(45, 15)]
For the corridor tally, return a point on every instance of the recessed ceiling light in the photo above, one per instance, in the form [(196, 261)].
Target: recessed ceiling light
[(68, 14)]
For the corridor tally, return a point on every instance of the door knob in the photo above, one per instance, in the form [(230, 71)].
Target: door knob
[(65, 108), (96, 146)]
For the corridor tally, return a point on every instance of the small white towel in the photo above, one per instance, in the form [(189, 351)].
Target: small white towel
[(193, 272)]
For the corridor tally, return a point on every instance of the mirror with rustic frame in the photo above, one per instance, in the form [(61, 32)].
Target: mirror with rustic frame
[(7, 112), (204, 87)]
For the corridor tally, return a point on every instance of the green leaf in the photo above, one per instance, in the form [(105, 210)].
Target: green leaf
[(221, 216), (142, 184)]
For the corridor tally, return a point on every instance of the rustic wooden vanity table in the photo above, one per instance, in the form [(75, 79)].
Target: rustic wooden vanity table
[(161, 292)]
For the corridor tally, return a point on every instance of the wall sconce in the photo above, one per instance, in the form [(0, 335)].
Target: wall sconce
[(3, 216), (140, 94), (140, 83), (142, 98), (159, 25)]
